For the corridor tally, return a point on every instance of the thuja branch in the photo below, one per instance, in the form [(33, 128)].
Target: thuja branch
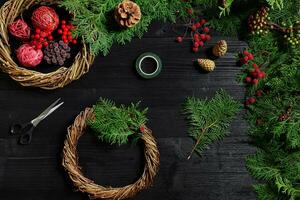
[(202, 132), (209, 120)]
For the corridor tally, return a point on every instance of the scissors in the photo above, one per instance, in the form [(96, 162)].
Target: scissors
[(26, 129)]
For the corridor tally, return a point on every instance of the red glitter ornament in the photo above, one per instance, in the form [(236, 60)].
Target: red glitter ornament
[(28, 56), (45, 18), (19, 29)]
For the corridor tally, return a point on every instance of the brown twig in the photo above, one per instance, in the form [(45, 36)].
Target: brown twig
[(70, 162), (277, 27), (202, 131)]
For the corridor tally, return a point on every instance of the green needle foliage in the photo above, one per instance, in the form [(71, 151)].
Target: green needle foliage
[(274, 120), (210, 120), (95, 21), (114, 124), (277, 136)]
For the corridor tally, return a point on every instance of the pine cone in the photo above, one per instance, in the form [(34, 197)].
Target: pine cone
[(128, 14), (206, 64), (220, 48)]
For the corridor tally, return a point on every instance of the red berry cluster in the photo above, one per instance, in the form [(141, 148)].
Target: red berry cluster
[(254, 75), (252, 100), (40, 38), (246, 57), (65, 32), (199, 33)]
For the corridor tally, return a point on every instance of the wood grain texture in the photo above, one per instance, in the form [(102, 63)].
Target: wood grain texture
[(34, 172)]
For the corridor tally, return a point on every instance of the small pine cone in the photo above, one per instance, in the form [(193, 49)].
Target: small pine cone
[(128, 14), (220, 48), (206, 64)]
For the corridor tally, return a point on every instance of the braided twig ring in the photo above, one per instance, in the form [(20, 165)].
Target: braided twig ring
[(83, 184), (57, 79)]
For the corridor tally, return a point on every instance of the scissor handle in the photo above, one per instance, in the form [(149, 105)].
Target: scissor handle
[(26, 137), (19, 128), (25, 130)]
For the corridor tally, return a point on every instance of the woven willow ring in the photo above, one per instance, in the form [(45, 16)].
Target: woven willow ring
[(56, 79), (83, 184)]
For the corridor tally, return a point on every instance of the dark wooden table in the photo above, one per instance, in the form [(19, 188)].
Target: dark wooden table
[(34, 172)]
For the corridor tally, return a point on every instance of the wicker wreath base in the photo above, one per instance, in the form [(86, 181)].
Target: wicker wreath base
[(83, 184), (57, 79)]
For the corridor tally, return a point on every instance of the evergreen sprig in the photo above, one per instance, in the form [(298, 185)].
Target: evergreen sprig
[(114, 124), (276, 164), (95, 21), (209, 120)]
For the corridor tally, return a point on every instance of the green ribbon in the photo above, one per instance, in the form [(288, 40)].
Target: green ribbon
[(139, 61)]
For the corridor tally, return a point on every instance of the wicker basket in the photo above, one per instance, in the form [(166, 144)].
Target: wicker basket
[(83, 184), (56, 79)]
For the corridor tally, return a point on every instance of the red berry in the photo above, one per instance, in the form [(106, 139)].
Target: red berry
[(250, 56), (207, 37), (179, 39), (190, 11), (206, 30), (255, 66), (196, 44), (202, 21), (254, 74), (259, 93), (66, 41), (196, 39), (63, 26), (246, 59), (255, 81), (63, 22), (246, 53), (50, 37), (39, 46), (201, 43), (202, 36), (264, 74), (142, 129), (196, 35), (198, 25), (45, 44), (42, 39), (60, 31), (37, 30), (248, 79), (37, 36), (74, 41), (251, 100), (64, 37), (193, 27), (69, 33), (195, 49), (260, 75), (70, 38)]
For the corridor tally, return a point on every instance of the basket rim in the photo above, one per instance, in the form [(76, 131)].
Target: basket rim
[(71, 164), (27, 77)]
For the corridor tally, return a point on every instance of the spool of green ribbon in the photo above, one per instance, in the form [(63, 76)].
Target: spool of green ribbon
[(139, 67)]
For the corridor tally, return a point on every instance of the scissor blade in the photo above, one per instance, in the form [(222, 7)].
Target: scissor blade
[(49, 108), (36, 121)]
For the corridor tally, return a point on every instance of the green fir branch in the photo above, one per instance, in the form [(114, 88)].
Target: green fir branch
[(96, 26), (209, 120), (114, 124)]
